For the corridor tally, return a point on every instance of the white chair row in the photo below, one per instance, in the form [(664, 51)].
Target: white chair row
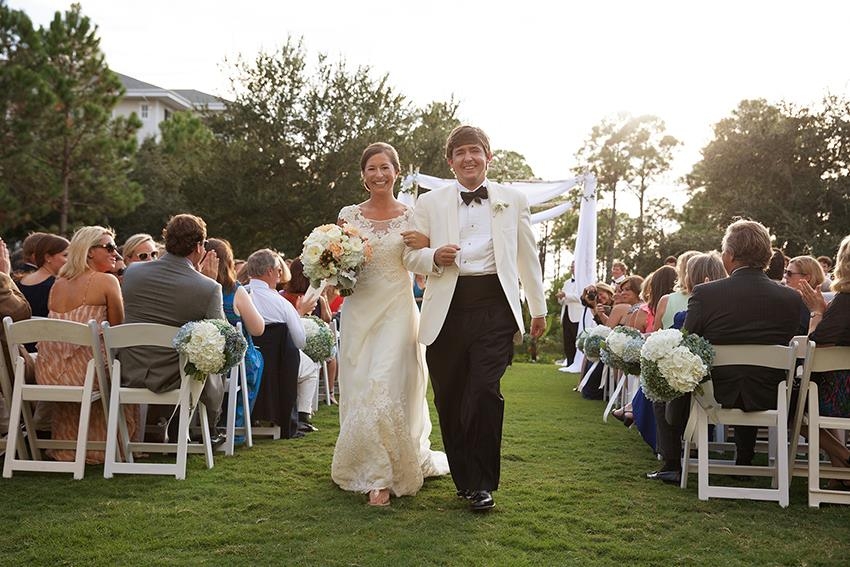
[(23, 449), (782, 445)]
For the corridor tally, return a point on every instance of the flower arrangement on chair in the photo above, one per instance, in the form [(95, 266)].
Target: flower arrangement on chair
[(673, 364), (589, 342), (211, 346), (320, 339), (621, 349), (335, 254)]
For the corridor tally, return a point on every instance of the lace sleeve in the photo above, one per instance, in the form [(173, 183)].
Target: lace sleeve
[(346, 214)]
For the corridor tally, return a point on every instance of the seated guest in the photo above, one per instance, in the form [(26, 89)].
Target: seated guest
[(830, 326), (12, 304), (745, 308), (678, 298), (139, 248), (265, 268), (171, 291), (776, 265), (50, 253), (83, 291), (24, 260), (627, 301), (239, 308)]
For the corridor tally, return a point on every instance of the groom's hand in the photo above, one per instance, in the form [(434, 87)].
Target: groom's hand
[(445, 255), (538, 325)]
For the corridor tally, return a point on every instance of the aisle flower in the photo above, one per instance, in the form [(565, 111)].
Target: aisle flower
[(335, 254), (621, 349), (320, 339), (590, 341), (211, 346), (673, 364)]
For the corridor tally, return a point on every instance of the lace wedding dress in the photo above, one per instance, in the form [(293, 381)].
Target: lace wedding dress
[(384, 421)]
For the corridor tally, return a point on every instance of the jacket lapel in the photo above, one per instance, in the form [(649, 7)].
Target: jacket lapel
[(451, 215)]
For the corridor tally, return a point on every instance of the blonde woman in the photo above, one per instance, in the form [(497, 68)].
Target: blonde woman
[(83, 291), (139, 248)]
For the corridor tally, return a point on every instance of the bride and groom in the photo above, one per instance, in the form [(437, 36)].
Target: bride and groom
[(473, 239)]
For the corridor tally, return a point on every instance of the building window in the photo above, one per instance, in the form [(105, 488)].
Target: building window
[(167, 114), (144, 111)]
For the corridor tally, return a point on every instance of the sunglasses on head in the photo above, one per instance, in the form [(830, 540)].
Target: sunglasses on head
[(145, 255), (109, 247)]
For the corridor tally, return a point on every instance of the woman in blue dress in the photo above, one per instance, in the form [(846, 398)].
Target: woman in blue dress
[(238, 307)]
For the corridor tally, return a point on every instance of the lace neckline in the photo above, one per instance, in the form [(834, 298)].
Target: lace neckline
[(371, 220)]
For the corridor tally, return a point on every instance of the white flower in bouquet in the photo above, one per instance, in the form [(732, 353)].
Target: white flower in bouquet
[(211, 346), (673, 364), (661, 343), (334, 254), (320, 340), (614, 348), (617, 342)]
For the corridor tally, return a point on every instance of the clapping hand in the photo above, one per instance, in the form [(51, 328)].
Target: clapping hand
[(305, 305), (209, 265), (813, 298)]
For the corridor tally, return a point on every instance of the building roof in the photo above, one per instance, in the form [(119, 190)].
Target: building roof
[(201, 99), (182, 99)]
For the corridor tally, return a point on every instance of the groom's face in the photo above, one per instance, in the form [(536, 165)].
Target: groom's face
[(469, 162)]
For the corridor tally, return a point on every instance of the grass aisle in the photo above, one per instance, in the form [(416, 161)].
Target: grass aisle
[(572, 493)]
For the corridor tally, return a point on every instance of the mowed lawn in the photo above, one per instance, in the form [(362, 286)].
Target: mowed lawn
[(572, 493)]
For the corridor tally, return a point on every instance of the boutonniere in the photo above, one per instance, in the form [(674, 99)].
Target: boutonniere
[(499, 206)]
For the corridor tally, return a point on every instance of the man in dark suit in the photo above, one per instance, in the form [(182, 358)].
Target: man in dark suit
[(745, 308), (171, 291)]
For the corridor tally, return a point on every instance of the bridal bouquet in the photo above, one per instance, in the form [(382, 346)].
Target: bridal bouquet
[(211, 346), (320, 339), (589, 342), (621, 349), (335, 254), (673, 363)]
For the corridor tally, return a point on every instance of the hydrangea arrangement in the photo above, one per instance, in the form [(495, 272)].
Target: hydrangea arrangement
[(335, 254), (592, 341), (320, 339), (621, 349), (211, 346), (673, 363)]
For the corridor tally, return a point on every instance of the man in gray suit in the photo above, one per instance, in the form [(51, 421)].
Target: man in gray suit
[(171, 291)]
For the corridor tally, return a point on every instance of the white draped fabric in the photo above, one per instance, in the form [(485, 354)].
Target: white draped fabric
[(585, 252)]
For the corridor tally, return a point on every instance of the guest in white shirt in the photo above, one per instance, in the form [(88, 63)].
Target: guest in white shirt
[(571, 311), (264, 268), (619, 273)]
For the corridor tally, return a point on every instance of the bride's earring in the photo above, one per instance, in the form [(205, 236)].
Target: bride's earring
[(363, 182)]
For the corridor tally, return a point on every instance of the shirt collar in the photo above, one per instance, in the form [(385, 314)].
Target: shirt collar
[(461, 189)]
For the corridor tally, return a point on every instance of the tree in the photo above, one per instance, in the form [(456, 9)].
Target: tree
[(626, 149), (75, 157), (509, 166)]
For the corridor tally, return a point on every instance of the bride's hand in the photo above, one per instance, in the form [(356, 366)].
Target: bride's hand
[(415, 239)]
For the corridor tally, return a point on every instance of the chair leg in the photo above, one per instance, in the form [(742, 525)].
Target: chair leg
[(205, 434), (83, 427), (183, 434), (233, 387), (14, 425), (112, 432), (702, 454), (246, 405), (814, 446), (328, 391)]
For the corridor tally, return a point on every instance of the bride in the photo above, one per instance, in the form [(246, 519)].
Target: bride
[(383, 446)]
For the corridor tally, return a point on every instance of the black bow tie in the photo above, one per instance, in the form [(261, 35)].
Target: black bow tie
[(477, 195)]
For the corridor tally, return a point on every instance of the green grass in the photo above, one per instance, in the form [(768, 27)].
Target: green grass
[(572, 493)]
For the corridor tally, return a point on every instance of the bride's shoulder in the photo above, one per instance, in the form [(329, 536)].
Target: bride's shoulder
[(348, 212)]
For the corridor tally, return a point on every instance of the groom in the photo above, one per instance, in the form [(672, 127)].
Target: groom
[(481, 248)]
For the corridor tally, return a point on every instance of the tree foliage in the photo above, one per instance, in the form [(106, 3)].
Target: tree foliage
[(781, 165), (69, 160)]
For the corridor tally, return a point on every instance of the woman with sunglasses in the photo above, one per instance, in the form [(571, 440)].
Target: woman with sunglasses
[(83, 291), (139, 248)]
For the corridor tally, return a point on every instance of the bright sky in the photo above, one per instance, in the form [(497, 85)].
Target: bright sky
[(537, 75)]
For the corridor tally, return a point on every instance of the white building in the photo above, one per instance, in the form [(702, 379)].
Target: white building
[(153, 104)]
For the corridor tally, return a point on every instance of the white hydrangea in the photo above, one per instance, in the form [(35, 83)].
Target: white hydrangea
[(600, 331), (660, 344), (617, 342), (205, 348), (682, 369)]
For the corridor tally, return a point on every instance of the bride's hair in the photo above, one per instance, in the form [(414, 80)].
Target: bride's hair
[(380, 148)]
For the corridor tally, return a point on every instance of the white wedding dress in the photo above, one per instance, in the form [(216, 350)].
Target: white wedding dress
[(383, 414)]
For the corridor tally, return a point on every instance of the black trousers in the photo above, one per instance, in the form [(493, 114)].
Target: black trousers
[(570, 331), (466, 363)]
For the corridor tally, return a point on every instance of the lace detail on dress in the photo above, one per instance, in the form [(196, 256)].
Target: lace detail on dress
[(385, 239)]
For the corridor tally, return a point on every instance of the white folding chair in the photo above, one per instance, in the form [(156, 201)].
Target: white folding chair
[(186, 398), (6, 393), (236, 385), (824, 359), (52, 330), (705, 409)]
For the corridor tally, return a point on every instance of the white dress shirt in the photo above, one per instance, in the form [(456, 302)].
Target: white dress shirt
[(476, 256), (273, 308)]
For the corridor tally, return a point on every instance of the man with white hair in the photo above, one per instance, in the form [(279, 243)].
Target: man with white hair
[(265, 268)]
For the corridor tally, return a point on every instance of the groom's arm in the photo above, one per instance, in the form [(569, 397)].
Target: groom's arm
[(528, 264)]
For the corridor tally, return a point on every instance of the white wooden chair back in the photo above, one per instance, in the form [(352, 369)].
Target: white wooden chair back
[(823, 359), (23, 394), (705, 409), (186, 397), (236, 385)]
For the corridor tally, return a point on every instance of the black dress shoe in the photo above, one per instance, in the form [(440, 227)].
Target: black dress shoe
[(481, 501), (465, 494), (217, 440), (670, 477), (305, 427)]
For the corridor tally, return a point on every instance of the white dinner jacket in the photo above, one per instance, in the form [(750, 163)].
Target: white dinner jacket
[(514, 247)]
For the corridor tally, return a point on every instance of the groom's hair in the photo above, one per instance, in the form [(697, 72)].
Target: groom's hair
[(463, 135)]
